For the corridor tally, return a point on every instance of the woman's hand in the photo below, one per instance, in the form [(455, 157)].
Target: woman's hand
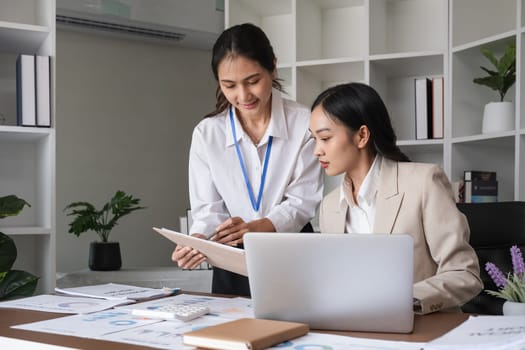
[(187, 257), (231, 231)]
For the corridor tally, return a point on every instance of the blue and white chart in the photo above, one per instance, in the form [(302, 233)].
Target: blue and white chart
[(319, 341), (164, 335), (93, 325), (62, 304)]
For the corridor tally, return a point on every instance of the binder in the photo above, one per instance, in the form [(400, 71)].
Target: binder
[(25, 90), (423, 94), (43, 105), (437, 107)]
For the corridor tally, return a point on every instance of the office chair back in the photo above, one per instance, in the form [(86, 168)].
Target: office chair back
[(494, 228)]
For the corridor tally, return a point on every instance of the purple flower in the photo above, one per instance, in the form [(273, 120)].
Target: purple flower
[(517, 261), (496, 275)]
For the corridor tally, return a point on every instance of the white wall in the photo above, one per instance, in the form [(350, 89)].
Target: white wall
[(125, 112)]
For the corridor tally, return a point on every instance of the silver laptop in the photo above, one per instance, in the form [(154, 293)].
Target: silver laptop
[(348, 282)]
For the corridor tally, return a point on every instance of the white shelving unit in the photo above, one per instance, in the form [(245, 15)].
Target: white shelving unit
[(470, 149), (27, 154), (389, 43)]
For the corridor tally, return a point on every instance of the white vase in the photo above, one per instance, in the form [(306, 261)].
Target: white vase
[(513, 308), (498, 116)]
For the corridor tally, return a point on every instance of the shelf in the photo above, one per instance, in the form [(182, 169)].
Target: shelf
[(312, 79), (520, 76), (330, 29), (409, 64), (427, 151), (26, 231), (488, 19), (27, 158), (488, 41), (275, 19), (327, 61), (393, 78), (27, 154), (430, 143), (407, 25), (473, 155), (483, 137), (21, 38), (468, 98), (388, 44), (23, 134)]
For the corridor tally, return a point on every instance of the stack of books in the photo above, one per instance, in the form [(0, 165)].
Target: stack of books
[(33, 90), (480, 186)]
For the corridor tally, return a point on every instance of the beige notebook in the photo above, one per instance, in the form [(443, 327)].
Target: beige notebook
[(220, 255), (245, 334)]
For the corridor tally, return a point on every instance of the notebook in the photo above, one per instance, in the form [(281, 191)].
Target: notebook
[(351, 282), (245, 333)]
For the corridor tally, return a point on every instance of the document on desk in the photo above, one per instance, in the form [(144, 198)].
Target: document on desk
[(62, 304), (341, 342), (484, 332), (115, 291), (219, 255), (93, 325)]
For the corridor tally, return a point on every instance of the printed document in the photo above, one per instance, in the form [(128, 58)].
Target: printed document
[(484, 332), (115, 291), (62, 304), (217, 254)]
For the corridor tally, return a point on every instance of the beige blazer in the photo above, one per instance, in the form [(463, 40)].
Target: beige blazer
[(417, 199)]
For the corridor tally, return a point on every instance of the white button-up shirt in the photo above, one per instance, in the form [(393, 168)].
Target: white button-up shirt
[(361, 215), (293, 186)]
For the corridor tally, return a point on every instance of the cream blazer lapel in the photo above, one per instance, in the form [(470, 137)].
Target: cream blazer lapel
[(388, 202), (332, 215), (389, 199)]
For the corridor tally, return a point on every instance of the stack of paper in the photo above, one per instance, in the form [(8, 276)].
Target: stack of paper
[(62, 304), (115, 291), (484, 332)]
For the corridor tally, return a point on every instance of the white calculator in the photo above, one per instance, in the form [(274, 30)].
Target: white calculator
[(183, 312)]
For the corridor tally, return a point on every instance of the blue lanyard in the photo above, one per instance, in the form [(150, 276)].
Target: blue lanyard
[(255, 204)]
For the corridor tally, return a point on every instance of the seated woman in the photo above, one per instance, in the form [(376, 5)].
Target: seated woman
[(383, 192)]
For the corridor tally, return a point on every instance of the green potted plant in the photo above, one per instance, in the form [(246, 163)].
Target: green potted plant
[(13, 283), (499, 116), (104, 255)]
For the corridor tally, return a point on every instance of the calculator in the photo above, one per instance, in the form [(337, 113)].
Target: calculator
[(183, 312)]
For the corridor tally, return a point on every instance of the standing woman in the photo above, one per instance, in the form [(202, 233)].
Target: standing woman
[(383, 192), (251, 167)]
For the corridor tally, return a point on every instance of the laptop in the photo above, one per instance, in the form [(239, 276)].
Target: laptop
[(349, 282)]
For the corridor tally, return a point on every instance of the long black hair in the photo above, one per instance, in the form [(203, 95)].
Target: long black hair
[(357, 104), (245, 40)]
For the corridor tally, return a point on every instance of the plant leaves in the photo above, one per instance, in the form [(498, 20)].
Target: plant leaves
[(88, 218), (18, 284), (491, 72), (11, 206), (504, 76), (493, 82), (7, 254), (508, 60), (490, 56)]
